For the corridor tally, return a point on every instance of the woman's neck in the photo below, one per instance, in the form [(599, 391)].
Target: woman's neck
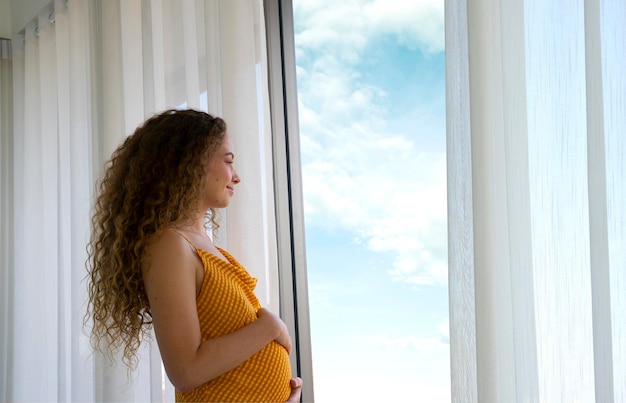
[(193, 225)]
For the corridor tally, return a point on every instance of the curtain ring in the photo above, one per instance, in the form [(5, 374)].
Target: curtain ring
[(51, 18), (36, 30)]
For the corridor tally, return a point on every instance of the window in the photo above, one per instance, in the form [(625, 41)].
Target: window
[(371, 110)]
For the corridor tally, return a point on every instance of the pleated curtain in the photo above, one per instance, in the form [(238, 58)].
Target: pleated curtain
[(6, 198), (537, 188), (83, 74)]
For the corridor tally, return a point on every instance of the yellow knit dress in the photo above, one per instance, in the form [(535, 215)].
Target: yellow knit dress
[(225, 304)]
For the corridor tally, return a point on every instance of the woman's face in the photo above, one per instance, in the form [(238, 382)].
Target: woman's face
[(221, 177)]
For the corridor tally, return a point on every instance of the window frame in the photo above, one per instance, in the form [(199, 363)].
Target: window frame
[(289, 204)]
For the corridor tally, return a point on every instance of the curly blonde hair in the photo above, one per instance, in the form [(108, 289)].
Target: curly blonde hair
[(151, 181)]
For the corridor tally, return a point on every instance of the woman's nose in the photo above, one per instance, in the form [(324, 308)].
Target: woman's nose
[(236, 178)]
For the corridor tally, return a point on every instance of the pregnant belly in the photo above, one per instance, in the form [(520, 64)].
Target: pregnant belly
[(264, 377), (268, 372)]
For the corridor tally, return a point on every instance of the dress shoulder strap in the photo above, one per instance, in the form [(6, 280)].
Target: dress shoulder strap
[(186, 239)]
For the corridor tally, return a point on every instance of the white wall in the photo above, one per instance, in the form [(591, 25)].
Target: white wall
[(14, 14), (5, 19)]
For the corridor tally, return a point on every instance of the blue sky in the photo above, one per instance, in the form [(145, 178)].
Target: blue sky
[(372, 126)]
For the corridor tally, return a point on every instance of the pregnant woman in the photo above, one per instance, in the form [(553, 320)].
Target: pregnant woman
[(151, 263)]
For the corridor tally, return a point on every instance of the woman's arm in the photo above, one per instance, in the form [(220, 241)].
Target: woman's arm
[(170, 282)]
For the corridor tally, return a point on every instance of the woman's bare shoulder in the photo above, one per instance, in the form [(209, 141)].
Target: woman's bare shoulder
[(169, 248)]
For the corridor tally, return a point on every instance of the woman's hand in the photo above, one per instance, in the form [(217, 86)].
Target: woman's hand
[(283, 337), (296, 390)]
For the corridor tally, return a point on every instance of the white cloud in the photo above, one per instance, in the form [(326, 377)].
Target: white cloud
[(394, 202), (384, 367), (416, 23), (379, 384), (351, 24), (385, 341), (357, 173)]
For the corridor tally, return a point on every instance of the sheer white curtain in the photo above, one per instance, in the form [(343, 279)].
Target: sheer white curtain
[(537, 185), (6, 200), (49, 222), (85, 74)]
